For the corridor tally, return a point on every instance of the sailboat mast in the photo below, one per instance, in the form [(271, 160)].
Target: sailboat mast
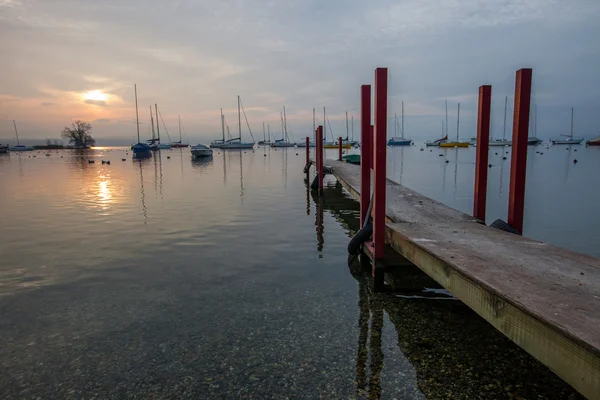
[(264, 137), (395, 125), (137, 117), (17, 132), (457, 121), (324, 125), (222, 125), (179, 120), (353, 128), (314, 125), (157, 125), (504, 129), (446, 117), (347, 125), (269, 131), (152, 124), (281, 123), (239, 120), (571, 122), (285, 124), (402, 131)]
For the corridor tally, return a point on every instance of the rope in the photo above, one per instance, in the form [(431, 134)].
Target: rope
[(247, 123), (164, 126)]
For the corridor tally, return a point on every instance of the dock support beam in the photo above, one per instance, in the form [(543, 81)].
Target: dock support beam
[(340, 148), (319, 154), (379, 163), (518, 165), (366, 151), (307, 150), (483, 142)]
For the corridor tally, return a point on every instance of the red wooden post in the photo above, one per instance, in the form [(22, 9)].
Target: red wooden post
[(372, 131), (366, 151), (379, 163), (483, 143), (340, 148), (320, 156), (307, 152), (518, 164)]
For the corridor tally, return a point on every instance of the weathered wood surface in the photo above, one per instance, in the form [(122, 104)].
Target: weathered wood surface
[(545, 298)]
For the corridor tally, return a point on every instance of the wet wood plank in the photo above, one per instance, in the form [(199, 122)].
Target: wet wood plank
[(544, 298)]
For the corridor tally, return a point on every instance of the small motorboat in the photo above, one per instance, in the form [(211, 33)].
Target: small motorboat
[(201, 151), (3, 148)]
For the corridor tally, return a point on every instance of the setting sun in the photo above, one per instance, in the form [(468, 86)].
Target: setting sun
[(95, 95)]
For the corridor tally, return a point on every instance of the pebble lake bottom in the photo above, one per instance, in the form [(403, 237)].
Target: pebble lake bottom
[(221, 279)]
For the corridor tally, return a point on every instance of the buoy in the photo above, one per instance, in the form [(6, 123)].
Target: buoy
[(541, 153), (47, 155), (504, 158), (421, 149), (574, 149), (90, 161), (103, 162), (265, 155), (441, 155), (447, 161), (430, 151), (490, 166), (61, 156), (574, 161), (123, 159), (296, 153), (168, 157), (496, 153)]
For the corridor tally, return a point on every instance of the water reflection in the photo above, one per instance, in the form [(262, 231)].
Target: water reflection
[(446, 350), (142, 192)]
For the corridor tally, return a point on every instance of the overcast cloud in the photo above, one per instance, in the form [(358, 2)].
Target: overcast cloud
[(193, 57)]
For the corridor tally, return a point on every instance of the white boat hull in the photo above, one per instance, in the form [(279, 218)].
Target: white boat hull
[(500, 143)]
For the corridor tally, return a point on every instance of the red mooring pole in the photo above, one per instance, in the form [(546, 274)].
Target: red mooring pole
[(366, 151), (340, 148), (320, 156), (307, 153), (518, 164), (483, 143), (379, 163)]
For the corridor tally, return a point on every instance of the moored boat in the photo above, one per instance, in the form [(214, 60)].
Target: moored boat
[(19, 146), (140, 150), (3, 148), (201, 151), (594, 142), (569, 138)]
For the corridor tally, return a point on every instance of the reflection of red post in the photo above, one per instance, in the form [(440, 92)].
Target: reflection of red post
[(518, 164), (319, 151), (483, 142), (379, 163), (340, 148), (366, 151), (307, 152)]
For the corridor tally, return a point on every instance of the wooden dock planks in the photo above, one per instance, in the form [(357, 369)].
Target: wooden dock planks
[(544, 298)]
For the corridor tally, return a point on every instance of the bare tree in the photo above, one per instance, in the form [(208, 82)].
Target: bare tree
[(80, 134)]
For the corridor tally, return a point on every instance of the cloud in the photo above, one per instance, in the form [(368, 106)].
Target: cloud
[(95, 102), (47, 104)]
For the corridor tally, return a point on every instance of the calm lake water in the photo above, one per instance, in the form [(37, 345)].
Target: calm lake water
[(228, 279)]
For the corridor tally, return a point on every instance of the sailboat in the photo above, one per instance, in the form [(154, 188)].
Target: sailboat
[(570, 139), (333, 144), (265, 142), (285, 139), (399, 140), (533, 140), (153, 143), (236, 143), (162, 146), (140, 150), (311, 143), (594, 142), (436, 143), (179, 144), (503, 141), (216, 144), (19, 146), (456, 143)]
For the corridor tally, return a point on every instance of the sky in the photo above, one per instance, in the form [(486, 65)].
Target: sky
[(64, 60)]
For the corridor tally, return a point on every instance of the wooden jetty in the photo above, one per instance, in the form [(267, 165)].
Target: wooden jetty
[(544, 298)]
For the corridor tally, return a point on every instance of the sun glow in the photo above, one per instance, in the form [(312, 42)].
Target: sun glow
[(95, 95)]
